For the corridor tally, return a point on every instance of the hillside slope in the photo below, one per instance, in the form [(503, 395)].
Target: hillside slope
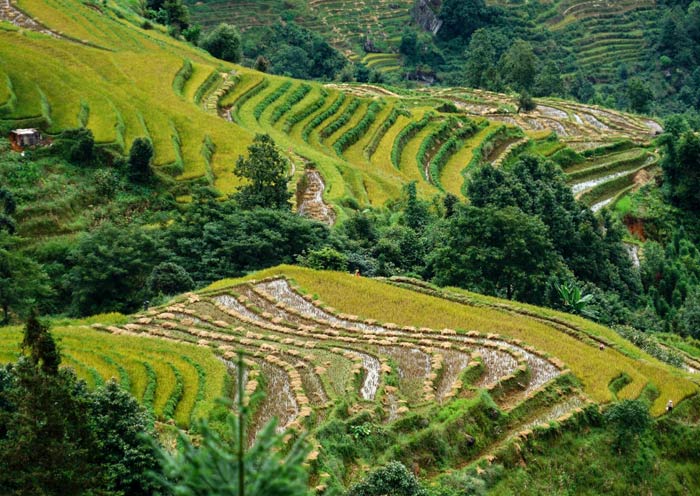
[(96, 67), (597, 36), (389, 352)]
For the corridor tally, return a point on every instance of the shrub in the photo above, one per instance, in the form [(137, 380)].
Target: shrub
[(77, 145), (169, 279), (305, 112), (342, 120), (383, 129), (316, 121), (394, 479), (182, 76), (224, 43), (325, 259), (292, 100), (270, 98), (404, 137), (352, 136), (140, 157), (629, 419)]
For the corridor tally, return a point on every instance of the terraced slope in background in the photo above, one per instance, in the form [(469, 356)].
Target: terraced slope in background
[(600, 35), (387, 350), (359, 143), (344, 24)]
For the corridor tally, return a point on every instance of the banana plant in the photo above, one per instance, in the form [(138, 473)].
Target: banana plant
[(574, 299)]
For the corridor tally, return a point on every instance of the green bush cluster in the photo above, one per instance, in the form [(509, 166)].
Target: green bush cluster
[(383, 129), (292, 100), (405, 135), (305, 112), (352, 136), (440, 134), (449, 148), (316, 121), (650, 345), (175, 395), (264, 83), (271, 98), (342, 119), (182, 76), (615, 166), (206, 86)]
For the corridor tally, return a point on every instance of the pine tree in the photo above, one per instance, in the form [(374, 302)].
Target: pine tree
[(40, 346), (266, 170)]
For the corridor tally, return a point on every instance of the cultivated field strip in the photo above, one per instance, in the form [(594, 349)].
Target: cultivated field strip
[(308, 357), (174, 380)]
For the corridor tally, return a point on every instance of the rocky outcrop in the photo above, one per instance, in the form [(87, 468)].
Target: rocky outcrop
[(425, 16)]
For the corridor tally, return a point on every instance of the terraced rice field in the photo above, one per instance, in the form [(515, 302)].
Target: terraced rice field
[(363, 141), (387, 350), (175, 380), (602, 179), (343, 23), (603, 35)]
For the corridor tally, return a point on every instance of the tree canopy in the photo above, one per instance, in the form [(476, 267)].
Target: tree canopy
[(265, 169), (224, 42)]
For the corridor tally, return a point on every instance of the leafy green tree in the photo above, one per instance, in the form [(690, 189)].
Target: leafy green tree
[(501, 252), (548, 80), (177, 14), (689, 315), (262, 64), (582, 88), (629, 420), (224, 42), (394, 479), (591, 247), (416, 214), (460, 18), (58, 438), (292, 61), (681, 168), (481, 67), (77, 145), (525, 102), (399, 250), (169, 278), (326, 258), (140, 157), (215, 239), (40, 346), (409, 45), (110, 267), (192, 33), (639, 94), (47, 442), (297, 51), (126, 452), (266, 171), (450, 203), (7, 201), (22, 281), (519, 65)]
